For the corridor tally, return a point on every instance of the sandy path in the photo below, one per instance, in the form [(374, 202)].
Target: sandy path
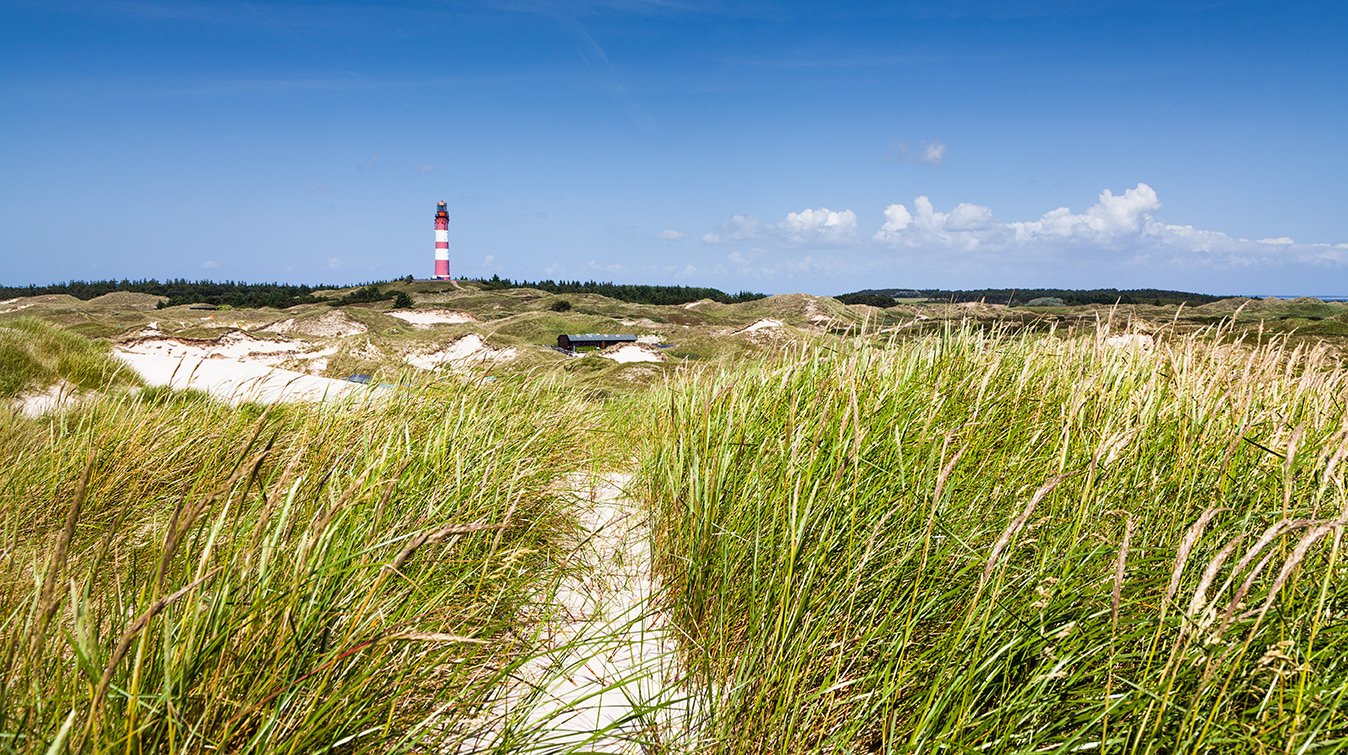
[(610, 682)]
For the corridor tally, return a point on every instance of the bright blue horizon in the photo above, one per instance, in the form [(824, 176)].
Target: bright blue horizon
[(776, 147)]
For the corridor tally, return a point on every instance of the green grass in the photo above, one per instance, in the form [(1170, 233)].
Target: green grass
[(34, 354), (181, 576), (980, 542), (940, 538)]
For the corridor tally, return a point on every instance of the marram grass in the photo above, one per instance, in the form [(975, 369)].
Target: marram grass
[(971, 541), (181, 576), (35, 354), (983, 542)]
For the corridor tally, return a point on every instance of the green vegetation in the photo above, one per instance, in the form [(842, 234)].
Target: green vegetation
[(35, 354), (371, 293), (976, 542), (872, 300), (1046, 301), (1157, 297), (955, 528), (624, 292), (180, 576), (283, 295), (180, 291)]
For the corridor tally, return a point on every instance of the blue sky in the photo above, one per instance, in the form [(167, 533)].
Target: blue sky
[(770, 146)]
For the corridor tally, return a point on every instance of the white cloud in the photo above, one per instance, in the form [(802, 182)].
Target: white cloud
[(897, 218), (334, 263), (809, 226), (1107, 220), (210, 264), (489, 260), (1118, 231), (822, 224), (671, 235), (969, 217), (738, 228), (933, 152), (967, 226)]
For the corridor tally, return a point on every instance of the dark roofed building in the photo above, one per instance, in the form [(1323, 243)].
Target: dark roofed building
[(592, 340)]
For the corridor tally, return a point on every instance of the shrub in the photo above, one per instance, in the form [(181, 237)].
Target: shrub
[(561, 305), (873, 300)]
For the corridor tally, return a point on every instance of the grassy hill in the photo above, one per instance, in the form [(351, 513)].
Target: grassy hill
[(35, 354)]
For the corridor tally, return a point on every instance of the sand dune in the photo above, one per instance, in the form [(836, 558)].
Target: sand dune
[(233, 380)]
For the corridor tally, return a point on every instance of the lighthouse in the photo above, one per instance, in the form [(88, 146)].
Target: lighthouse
[(441, 242)]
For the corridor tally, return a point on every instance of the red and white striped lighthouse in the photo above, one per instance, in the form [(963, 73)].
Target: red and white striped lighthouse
[(441, 242)]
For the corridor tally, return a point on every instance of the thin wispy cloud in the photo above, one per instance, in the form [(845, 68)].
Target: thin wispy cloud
[(606, 76), (588, 7), (931, 151)]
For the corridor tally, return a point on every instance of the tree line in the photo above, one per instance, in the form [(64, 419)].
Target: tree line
[(181, 291), (884, 297), (636, 294)]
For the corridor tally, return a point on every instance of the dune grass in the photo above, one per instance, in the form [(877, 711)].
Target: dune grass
[(984, 542), (35, 354), (182, 576), (971, 540)]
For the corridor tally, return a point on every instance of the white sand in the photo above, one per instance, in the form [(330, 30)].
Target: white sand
[(632, 352), (317, 360), (425, 318), (650, 338), (233, 380), (1137, 341), (469, 349), (59, 396), (813, 313), (611, 682), (233, 345), (763, 324)]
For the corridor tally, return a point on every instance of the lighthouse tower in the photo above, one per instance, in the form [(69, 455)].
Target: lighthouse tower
[(441, 242)]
